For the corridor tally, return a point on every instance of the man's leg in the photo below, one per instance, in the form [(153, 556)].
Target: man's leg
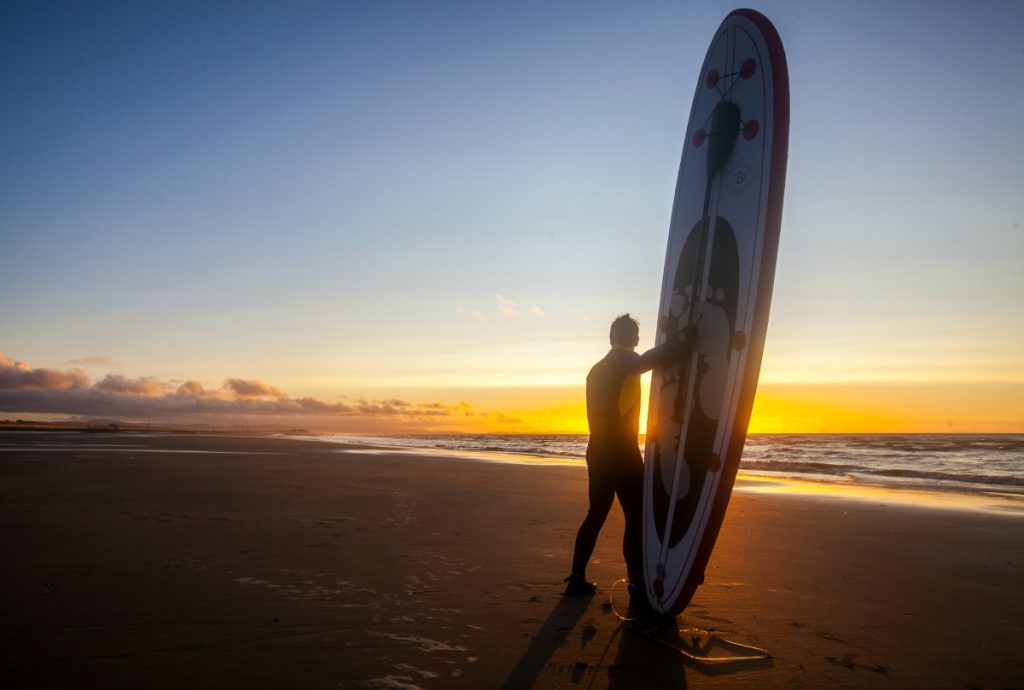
[(630, 490), (602, 494)]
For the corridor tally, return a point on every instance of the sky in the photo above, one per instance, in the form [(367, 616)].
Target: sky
[(392, 217)]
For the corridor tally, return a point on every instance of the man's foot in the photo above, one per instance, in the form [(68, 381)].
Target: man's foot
[(577, 586)]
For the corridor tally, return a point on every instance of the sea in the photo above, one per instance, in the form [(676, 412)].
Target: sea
[(963, 463)]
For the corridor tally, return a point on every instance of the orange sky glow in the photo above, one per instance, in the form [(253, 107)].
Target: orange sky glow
[(881, 407), (779, 407)]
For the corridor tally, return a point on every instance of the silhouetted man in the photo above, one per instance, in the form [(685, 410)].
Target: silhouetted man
[(614, 464)]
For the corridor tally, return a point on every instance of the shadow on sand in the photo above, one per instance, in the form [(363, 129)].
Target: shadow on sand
[(551, 637), (625, 654)]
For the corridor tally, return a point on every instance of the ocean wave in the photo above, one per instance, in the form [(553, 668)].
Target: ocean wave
[(994, 480), (800, 468), (525, 449), (931, 461)]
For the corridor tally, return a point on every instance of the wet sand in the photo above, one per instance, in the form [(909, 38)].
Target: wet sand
[(131, 560)]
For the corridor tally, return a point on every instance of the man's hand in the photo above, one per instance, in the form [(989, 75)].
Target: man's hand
[(688, 334), (680, 347)]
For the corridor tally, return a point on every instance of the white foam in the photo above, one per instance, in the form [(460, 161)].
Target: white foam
[(392, 682), (409, 668), (424, 644)]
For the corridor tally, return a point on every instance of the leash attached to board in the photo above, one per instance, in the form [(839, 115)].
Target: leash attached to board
[(702, 641)]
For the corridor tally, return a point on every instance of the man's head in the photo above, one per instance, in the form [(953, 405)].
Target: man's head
[(625, 332)]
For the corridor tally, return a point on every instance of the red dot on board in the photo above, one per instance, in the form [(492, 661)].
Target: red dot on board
[(750, 129), (739, 340), (712, 80), (698, 137), (748, 68)]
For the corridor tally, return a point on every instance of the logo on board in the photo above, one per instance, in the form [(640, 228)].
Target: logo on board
[(739, 176)]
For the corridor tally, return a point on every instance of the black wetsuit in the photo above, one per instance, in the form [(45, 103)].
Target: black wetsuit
[(614, 464)]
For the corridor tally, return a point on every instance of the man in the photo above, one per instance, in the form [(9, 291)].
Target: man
[(614, 464)]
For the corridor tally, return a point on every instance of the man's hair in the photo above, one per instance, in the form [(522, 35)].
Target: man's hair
[(625, 330)]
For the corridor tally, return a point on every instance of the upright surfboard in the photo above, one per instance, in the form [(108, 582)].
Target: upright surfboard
[(717, 286)]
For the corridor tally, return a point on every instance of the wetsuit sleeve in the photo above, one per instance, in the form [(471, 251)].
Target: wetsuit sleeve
[(667, 352)]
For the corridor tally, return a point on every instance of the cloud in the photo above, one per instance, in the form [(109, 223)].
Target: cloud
[(251, 388), (94, 361), (191, 387), (147, 385), (19, 376), (51, 391), (506, 306), (475, 313)]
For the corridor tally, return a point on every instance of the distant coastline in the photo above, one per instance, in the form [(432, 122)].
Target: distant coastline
[(117, 426), (114, 427)]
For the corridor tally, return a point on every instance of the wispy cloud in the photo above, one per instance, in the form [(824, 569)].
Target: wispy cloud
[(94, 361), (506, 306), (473, 312)]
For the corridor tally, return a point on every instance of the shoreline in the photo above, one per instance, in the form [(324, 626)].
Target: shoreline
[(998, 504), (746, 482)]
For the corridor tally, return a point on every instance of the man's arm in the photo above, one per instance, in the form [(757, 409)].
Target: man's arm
[(672, 350)]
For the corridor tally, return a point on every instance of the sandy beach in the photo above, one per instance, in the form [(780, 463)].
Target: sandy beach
[(169, 561)]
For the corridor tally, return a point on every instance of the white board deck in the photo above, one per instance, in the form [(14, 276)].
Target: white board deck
[(718, 274)]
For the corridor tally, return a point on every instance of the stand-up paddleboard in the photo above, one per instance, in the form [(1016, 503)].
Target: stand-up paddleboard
[(719, 269)]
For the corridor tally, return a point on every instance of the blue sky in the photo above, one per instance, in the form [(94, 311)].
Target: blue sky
[(332, 196)]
